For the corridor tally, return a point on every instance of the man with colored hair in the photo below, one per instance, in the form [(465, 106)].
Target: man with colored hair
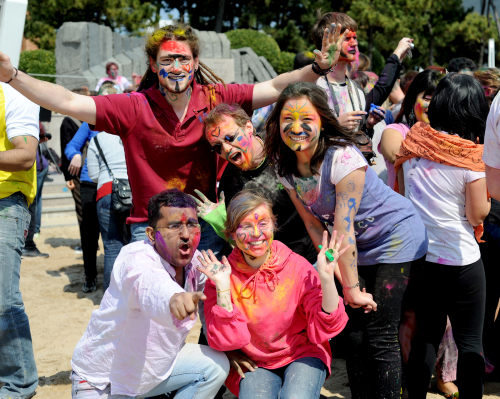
[(19, 134)]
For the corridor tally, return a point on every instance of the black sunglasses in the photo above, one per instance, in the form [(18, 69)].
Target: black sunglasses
[(218, 147)]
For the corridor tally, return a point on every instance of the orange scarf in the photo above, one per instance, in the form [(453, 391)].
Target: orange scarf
[(422, 141)]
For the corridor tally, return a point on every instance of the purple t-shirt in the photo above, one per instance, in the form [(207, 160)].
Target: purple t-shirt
[(387, 227), (391, 174)]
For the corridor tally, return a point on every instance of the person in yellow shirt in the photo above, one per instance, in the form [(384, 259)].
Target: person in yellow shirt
[(19, 134)]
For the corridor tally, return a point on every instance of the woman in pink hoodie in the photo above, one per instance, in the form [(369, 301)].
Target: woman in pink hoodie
[(272, 305)]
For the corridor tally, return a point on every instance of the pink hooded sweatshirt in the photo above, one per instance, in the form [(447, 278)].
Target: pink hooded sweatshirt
[(277, 316)]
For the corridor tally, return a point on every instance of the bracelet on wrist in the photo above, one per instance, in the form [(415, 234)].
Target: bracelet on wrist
[(321, 72), (349, 287), (229, 289), (13, 77)]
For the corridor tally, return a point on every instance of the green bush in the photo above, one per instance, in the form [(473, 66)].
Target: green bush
[(39, 61), (285, 62), (261, 43)]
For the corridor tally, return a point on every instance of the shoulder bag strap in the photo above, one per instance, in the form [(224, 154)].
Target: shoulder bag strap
[(334, 98), (103, 157)]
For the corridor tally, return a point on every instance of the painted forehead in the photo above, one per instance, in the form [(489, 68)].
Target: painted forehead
[(175, 47), (259, 213), (225, 126), (300, 107), (171, 214)]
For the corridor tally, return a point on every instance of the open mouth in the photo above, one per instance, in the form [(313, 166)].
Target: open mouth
[(185, 249), (256, 243), (298, 137), (236, 157), (176, 78)]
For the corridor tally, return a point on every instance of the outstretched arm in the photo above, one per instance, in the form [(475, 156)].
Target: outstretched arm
[(266, 93), (48, 95)]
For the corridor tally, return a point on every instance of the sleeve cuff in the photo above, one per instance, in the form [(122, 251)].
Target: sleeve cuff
[(224, 314)]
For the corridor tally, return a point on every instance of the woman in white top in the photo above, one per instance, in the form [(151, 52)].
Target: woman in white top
[(444, 178)]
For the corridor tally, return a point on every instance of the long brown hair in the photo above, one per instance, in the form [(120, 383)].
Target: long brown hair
[(332, 133), (182, 33)]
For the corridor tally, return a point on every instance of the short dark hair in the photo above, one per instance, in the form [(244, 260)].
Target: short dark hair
[(171, 198), (459, 106), (458, 64), (303, 59), (325, 20), (332, 133), (426, 82)]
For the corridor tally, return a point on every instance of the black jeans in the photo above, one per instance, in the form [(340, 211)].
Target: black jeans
[(374, 365), (459, 292), (89, 228)]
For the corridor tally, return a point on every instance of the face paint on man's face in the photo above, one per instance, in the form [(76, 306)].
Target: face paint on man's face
[(177, 247), (300, 125), (175, 67), (232, 142), (421, 108), (113, 72), (255, 232), (349, 47)]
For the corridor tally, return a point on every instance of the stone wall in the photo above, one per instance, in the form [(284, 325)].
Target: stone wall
[(84, 48)]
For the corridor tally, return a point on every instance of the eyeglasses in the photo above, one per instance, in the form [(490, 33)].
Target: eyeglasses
[(218, 147), (177, 227)]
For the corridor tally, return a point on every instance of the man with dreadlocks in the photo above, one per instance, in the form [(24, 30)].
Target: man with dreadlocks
[(161, 125)]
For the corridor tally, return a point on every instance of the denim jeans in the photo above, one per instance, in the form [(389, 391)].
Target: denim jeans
[(199, 372), (114, 234), (301, 379), (40, 179), (209, 238), (17, 362)]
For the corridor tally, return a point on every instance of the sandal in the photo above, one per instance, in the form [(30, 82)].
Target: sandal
[(450, 395)]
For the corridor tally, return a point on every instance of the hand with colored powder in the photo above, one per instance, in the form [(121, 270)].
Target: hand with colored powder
[(216, 271), (329, 255), (205, 206), (331, 45), (376, 115)]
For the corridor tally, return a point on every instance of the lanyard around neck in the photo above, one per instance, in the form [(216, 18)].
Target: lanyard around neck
[(349, 90)]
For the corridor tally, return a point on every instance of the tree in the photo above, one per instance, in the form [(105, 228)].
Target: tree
[(45, 16)]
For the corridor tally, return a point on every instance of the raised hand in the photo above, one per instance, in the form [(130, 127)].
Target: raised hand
[(326, 267), (403, 47), (186, 304), (330, 48), (205, 206), (7, 71), (216, 271)]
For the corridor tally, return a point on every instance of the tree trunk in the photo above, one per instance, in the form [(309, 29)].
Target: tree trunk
[(431, 43), (495, 13), (481, 53), (370, 44), (484, 3), (220, 16)]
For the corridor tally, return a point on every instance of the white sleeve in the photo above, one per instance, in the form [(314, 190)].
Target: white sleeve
[(473, 176), (93, 165), (284, 182), (125, 82), (21, 115), (491, 151), (346, 160)]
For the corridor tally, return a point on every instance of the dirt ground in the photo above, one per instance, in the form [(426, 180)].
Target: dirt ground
[(59, 311)]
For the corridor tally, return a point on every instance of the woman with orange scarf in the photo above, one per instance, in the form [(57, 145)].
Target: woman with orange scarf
[(272, 307), (443, 175)]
